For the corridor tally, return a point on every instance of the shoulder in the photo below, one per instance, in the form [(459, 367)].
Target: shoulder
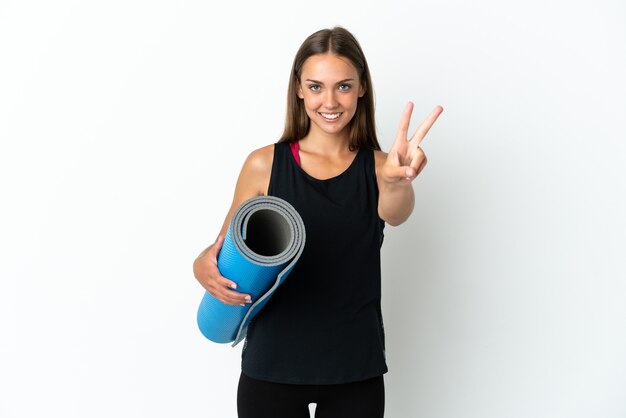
[(260, 160), (379, 157), (257, 169)]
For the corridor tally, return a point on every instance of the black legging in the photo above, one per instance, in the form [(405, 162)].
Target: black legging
[(260, 399)]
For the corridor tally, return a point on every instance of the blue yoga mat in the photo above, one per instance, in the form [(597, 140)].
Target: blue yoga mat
[(264, 240)]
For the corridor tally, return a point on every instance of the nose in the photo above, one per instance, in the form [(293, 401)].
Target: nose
[(330, 101)]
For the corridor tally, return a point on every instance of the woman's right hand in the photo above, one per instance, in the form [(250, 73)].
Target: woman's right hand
[(206, 272), (253, 181)]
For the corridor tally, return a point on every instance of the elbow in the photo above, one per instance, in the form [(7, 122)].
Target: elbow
[(394, 221), (397, 216), (395, 206)]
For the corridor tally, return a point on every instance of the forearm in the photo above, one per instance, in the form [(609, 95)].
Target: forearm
[(396, 202)]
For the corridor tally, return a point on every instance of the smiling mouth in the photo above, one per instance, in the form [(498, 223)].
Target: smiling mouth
[(330, 116)]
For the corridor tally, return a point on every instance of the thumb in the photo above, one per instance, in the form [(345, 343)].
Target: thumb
[(399, 172)]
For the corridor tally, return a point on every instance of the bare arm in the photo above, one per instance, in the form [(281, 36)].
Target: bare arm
[(395, 200), (396, 171), (253, 181)]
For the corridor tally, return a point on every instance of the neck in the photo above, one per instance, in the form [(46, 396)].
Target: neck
[(320, 142)]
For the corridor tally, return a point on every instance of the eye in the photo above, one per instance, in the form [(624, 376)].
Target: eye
[(345, 87), (314, 87)]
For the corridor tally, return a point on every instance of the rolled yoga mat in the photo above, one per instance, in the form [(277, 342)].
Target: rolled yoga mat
[(264, 240)]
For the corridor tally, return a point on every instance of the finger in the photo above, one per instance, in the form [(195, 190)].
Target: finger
[(418, 157), (232, 297), (420, 164), (393, 158), (220, 290), (400, 172), (403, 128), (421, 167), (216, 276), (227, 282), (423, 129), (216, 248), (230, 300)]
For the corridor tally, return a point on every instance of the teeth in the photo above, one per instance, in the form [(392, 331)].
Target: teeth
[(330, 115)]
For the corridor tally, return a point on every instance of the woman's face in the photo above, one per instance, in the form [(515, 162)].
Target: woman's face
[(330, 88)]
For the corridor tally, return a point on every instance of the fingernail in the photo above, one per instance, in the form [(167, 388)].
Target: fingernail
[(243, 304), (233, 285), (248, 299)]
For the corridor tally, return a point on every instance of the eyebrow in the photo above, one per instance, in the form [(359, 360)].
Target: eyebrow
[(338, 82)]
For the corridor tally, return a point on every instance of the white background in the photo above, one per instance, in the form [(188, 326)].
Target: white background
[(123, 127)]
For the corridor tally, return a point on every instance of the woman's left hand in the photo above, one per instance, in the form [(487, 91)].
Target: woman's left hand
[(406, 159)]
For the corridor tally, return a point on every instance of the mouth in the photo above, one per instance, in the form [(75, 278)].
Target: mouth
[(331, 116)]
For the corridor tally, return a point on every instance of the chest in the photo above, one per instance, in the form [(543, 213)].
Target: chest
[(324, 168)]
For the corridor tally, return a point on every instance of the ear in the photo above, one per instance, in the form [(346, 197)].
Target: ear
[(299, 90), (362, 90)]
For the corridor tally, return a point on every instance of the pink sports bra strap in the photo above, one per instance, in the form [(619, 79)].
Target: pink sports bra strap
[(295, 150)]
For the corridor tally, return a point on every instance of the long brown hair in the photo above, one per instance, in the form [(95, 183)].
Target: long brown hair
[(343, 44)]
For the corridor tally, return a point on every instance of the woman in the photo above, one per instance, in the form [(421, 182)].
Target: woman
[(320, 338)]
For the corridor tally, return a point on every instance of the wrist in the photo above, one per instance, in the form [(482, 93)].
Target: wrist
[(395, 186)]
